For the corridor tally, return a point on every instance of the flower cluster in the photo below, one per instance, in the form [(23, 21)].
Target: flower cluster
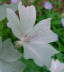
[(35, 39)]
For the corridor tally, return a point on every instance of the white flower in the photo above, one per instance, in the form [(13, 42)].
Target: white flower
[(56, 66), (9, 58), (3, 9), (34, 39)]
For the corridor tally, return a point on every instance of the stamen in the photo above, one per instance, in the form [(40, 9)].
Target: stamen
[(24, 39), (18, 44), (30, 37)]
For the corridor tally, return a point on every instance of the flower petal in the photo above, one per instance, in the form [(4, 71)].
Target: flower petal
[(41, 53), (27, 17), (3, 9), (11, 66), (48, 5), (13, 23), (43, 32), (8, 53), (56, 66)]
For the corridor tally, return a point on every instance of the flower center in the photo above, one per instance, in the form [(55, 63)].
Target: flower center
[(28, 38), (24, 39)]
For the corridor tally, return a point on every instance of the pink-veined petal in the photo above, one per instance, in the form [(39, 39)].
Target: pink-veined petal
[(40, 53), (43, 32)]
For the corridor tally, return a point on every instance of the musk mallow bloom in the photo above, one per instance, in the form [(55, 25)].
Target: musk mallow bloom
[(48, 5), (14, 1), (9, 58), (34, 39), (62, 21), (57, 66)]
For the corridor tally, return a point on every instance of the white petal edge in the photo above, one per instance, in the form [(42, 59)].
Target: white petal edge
[(8, 52), (56, 65), (43, 32), (11, 66), (40, 53), (27, 17), (13, 23), (3, 9)]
